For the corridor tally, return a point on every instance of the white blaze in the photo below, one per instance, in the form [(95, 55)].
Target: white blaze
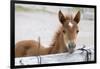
[(70, 24)]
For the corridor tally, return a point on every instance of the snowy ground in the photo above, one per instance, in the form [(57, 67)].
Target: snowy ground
[(31, 25)]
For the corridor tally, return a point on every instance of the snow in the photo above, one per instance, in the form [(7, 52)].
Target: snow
[(34, 25)]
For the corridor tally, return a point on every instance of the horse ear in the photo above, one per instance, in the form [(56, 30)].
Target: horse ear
[(77, 17), (61, 17)]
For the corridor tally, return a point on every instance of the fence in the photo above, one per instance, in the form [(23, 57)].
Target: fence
[(80, 55)]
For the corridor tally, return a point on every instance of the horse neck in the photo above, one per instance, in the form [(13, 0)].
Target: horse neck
[(58, 45)]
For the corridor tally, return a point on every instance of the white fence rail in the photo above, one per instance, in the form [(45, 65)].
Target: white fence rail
[(79, 55)]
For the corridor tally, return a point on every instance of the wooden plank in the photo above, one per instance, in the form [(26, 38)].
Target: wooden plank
[(77, 56)]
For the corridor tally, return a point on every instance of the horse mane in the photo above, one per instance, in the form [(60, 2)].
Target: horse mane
[(56, 36)]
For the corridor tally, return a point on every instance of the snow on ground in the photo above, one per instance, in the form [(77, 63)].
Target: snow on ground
[(34, 25)]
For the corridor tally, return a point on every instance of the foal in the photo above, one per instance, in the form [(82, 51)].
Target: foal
[(63, 41)]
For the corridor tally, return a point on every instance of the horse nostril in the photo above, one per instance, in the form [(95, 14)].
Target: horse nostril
[(71, 45), (74, 45)]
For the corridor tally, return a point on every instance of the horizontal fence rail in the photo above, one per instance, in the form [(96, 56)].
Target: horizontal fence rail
[(79, 55)]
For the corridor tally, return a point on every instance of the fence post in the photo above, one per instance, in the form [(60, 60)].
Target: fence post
[(38, 51)]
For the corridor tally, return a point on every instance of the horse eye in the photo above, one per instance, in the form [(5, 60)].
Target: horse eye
[(64, 31), (77, 31)]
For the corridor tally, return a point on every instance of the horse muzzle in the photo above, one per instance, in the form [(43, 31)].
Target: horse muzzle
[(71, 47)]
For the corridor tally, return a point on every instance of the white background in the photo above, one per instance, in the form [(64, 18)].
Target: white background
[(5, 34)]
